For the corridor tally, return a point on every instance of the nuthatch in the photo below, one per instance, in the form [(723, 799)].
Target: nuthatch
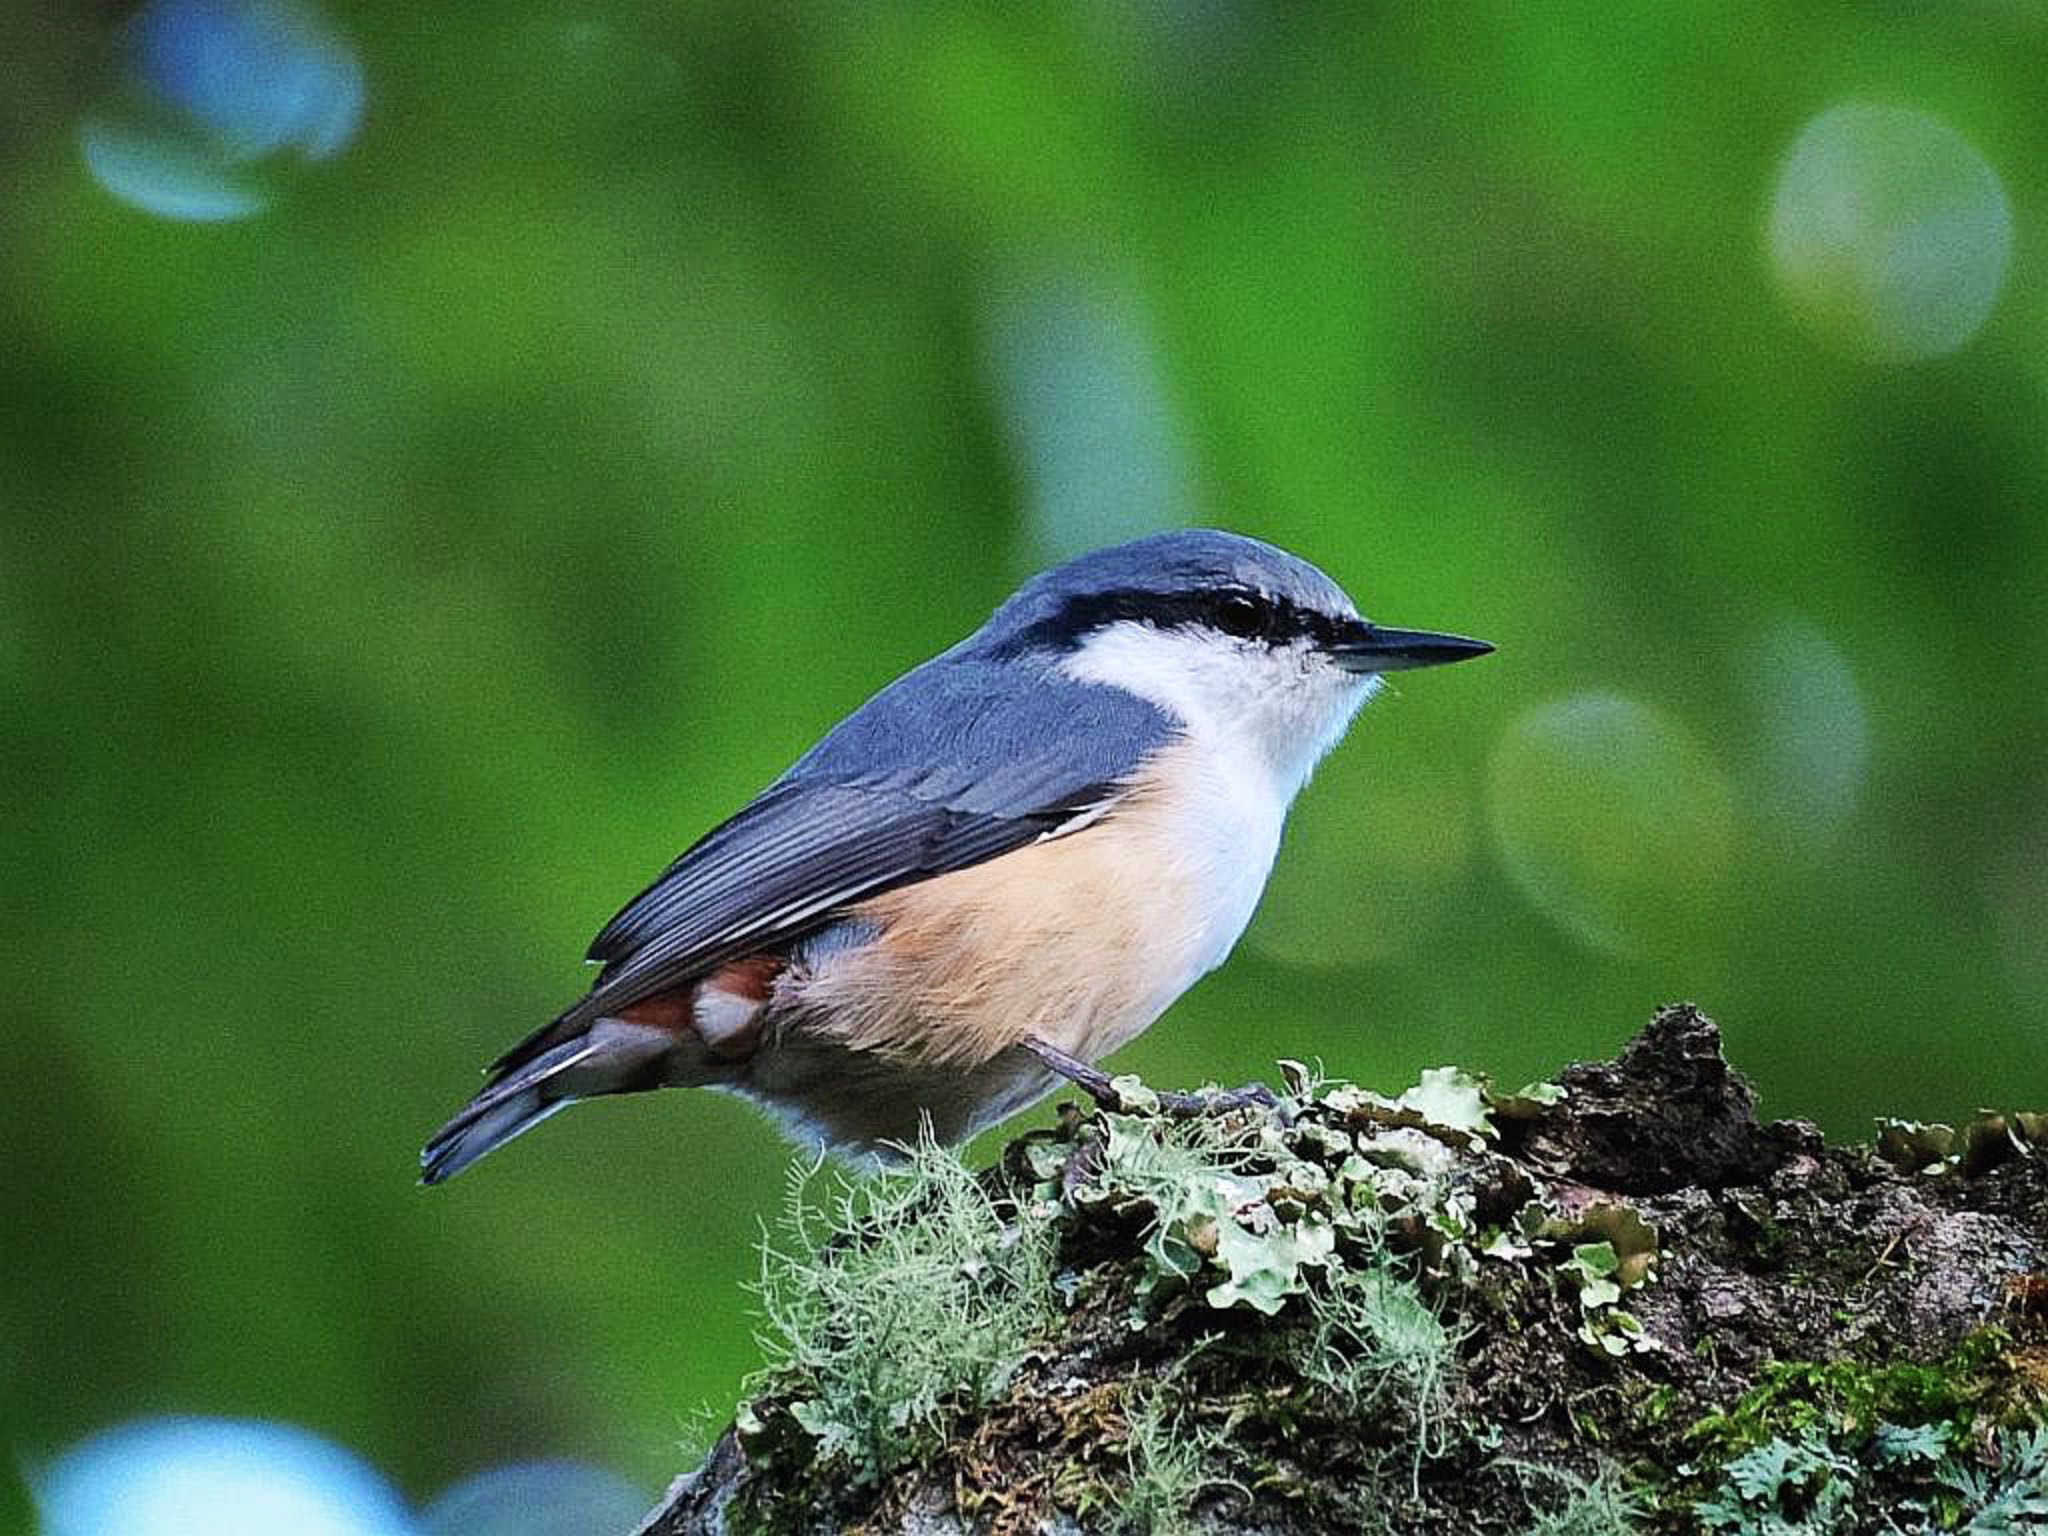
[(999, 869)]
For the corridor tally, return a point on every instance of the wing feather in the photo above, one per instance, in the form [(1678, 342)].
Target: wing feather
[(953, 764)]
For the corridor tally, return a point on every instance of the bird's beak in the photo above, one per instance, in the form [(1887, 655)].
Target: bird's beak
[(1372, 648)]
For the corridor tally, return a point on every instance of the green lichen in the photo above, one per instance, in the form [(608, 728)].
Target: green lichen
[(1981, 1144), (1921, 1480), (1406, 1313), (1796, 1487), (911, 1298), (1142, 1315), (2004, 1500), (1453, 1099), (1596, 1269), (1171, 1461), (908, 1303), (900, 1311), (1601, 1506), (1286, 1223), (1373, 1337)]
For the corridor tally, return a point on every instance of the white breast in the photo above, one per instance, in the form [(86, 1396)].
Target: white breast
[(1256, 720), (1210, 829)]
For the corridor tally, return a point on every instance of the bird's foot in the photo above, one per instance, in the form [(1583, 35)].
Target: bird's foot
[(1218, 1101), (1127, 1096)]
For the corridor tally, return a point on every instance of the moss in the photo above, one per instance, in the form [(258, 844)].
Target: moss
[(1817, 1447), (1790, 1398)]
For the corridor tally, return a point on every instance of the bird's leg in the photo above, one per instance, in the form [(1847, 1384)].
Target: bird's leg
[(1090, 1080), (1098, 1085)]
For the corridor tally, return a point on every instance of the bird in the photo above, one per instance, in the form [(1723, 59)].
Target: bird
[(1002, 867)]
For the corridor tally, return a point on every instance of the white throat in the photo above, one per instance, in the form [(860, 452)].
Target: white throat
[(1279, 710)]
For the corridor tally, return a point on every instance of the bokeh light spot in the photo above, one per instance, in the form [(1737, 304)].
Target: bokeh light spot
[(1812, 732), (211, 103), (214, 1477), (1367, 868), (1085, 411), (1889, 235), (1612, 820), (2015, 890), (541, 1498)]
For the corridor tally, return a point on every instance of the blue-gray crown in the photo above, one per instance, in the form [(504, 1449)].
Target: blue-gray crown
[(1191, 576)]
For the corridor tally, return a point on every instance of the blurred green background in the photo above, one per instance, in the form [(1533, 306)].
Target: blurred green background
[(396, 574)]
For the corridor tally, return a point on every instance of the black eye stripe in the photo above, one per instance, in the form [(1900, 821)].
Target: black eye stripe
[(1256, 615), (1238, 611)]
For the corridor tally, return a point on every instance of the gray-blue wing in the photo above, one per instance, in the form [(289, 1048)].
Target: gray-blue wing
[(953, 764)]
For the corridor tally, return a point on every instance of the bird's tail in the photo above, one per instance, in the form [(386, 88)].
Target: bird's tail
[(611, 1056)]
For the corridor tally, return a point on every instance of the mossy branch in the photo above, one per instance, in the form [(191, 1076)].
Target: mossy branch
[(1615, 1303)]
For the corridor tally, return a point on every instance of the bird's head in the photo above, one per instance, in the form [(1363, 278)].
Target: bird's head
[(1226, 633)]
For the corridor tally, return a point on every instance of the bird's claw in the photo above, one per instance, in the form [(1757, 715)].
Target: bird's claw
[(1128, 1096), (1218, 1101)]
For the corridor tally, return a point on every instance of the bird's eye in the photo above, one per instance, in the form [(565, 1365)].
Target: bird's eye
[(1240, 614)]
